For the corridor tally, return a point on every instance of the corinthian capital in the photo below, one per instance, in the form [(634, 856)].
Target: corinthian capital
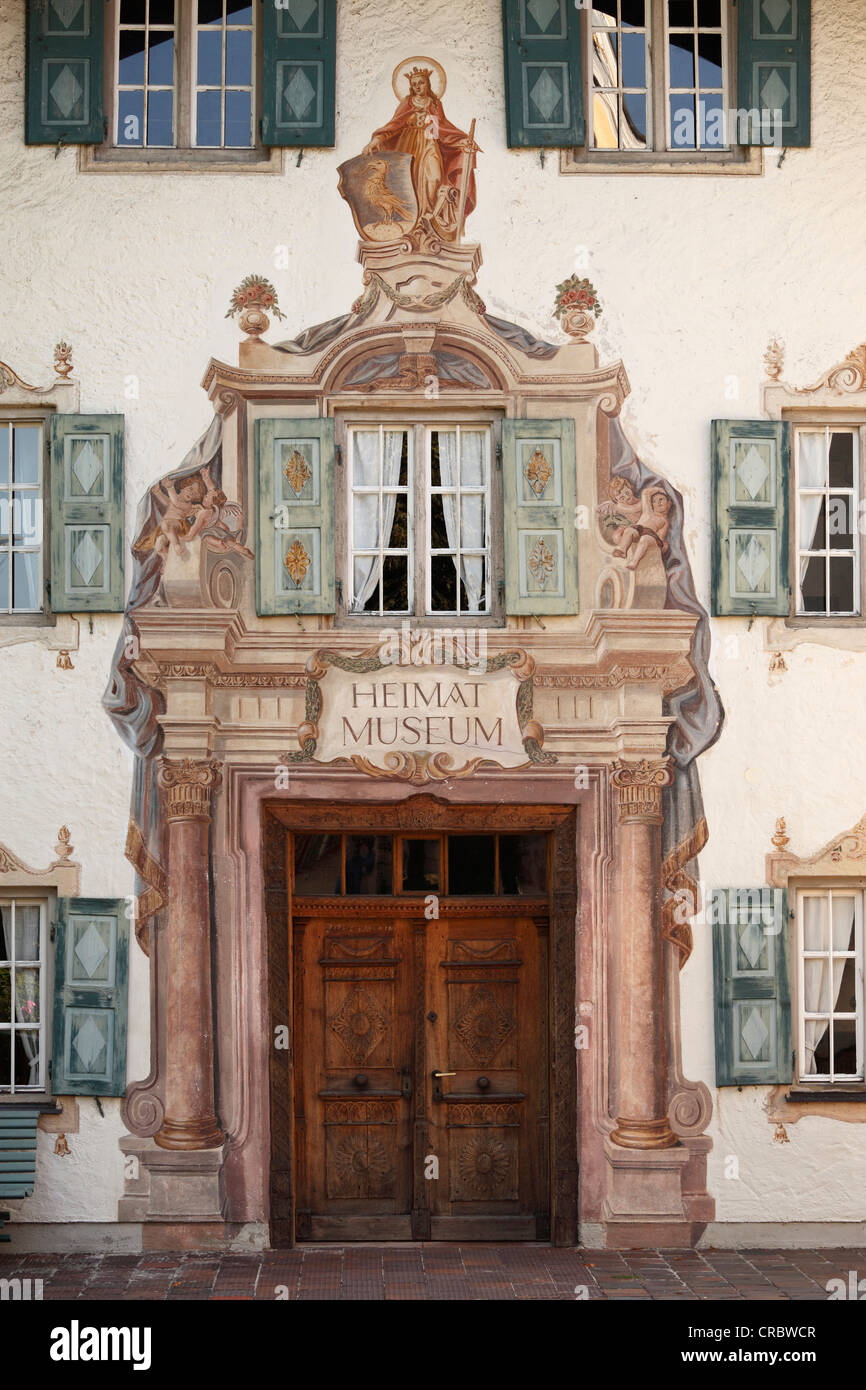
[(189, 785), (639, 787)]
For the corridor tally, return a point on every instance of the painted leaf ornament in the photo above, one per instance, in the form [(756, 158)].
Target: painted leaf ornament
[(298, 472), (297, 562), (538, 472), (541, 563)]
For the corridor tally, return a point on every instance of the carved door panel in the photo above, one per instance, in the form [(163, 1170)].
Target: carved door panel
[(353, 986), (488, 1118)]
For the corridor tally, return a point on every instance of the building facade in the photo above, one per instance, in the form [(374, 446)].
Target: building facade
[(442, 702)]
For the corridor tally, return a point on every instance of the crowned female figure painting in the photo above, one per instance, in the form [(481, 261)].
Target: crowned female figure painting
[(439, 151)]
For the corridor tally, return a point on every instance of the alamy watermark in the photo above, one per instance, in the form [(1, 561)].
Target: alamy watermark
[(439, 646)]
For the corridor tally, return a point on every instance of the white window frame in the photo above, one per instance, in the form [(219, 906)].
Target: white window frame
[(826, 891), (459, 492), (828, 428), (7, 1030), (407, 491), (32, 491)]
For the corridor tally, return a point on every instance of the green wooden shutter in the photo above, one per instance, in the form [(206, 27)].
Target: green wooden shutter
[(773, 69), (91, 952), (543, 73), (17, 1152), (298, 72), (539, 471), (64, 72), (295, 563), (752, 993), (750, 467), (87, 513)]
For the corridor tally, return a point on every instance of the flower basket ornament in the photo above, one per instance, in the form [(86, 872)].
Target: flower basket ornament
[(577, 307), (252, 297)]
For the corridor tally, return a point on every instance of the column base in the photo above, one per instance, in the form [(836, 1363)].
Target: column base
[(172, 1188), (644, 1134), (644, 1205), (190, 1134)]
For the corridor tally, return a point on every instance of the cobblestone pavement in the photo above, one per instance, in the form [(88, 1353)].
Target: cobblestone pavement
[(471, 1272)]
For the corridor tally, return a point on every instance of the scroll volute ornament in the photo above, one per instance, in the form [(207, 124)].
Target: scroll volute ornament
[(189, 785), (639, 788)]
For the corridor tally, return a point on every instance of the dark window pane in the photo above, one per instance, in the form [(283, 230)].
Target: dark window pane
[(25, 452), (682, 123), (317, 864), (421, 866), (159, 118), (840, 522), (712, 123), (435, 476), (471, 864), (5, 940), (438, 531), (403, 479), (841, 459), (682, 60), (27, 1070), (162, 11), (369, 864), (709, 60), (133, 11), (130, 64), (399, 538), (208, 119), (239, 59), (395, 584), (846, 995), (842, 584), (443, 584), (4, 455), (210, 57), (160, 60), (5, 996), (5, 1059), (238, 120), (238, 12), (634, 120), (210, 11), (681, 12), (845, 1045), (523, 864), (812, 586), (633, 60), (130, 118), (709, 14), (633, 14), (604, 12)]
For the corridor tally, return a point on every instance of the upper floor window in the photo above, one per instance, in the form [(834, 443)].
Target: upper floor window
[(828, 579), (830, 950), (22, 1022), (419, 520), (185, 74), (21, 512)]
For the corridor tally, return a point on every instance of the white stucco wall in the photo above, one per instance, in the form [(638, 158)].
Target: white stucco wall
[(695, 274)]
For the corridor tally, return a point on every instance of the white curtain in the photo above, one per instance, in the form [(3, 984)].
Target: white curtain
[(812, 456), (365, 506), (27, 1010), (817, 984), (470, 568)]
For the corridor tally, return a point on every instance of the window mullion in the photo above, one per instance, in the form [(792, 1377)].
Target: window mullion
[(185, 31), (658, 77)]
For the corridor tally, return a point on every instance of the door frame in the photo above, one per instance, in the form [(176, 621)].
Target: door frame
[(425, 812)]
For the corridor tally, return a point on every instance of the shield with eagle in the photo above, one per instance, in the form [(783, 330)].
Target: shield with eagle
[(378, 188)]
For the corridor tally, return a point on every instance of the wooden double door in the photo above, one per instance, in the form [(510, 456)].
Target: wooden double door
[(421, 1088)]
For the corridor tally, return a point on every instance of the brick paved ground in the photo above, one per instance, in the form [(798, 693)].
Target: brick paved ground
[(471, 1272)]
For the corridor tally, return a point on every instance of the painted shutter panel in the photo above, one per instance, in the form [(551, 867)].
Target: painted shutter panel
[(295, 566), (298, 72), (774, 68), (91, 951), (539, 470), (543, 73), (87, 513), (750, 466), (17, 1153), (752, 994), (64, 72)]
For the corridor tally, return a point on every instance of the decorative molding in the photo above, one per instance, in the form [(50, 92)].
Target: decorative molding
[(774, 359), (841, 857), (63, 873), (780, 839), (845, 379), (639, 787), (673, 677), (63, 360), (226, 680), (189, 785), (422, 811)]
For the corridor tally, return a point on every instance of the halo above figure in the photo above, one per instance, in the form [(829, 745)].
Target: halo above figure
[(403, 71)]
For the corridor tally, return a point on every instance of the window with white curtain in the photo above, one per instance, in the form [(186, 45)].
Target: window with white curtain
[(22, 497), (419, 528), (828, 581), (830, 952), (22, 995)]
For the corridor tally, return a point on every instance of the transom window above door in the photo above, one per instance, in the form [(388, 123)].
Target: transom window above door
[(364, 865), (419, 520)]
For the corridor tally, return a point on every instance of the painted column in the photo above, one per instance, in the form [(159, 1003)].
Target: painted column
[(190, 1118), (639, 1040)]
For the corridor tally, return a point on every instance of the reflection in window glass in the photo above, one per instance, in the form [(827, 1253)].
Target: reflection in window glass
[(471, 864), (146, 74), (369, 864), (421, 866), (523, 864), (318, 864)]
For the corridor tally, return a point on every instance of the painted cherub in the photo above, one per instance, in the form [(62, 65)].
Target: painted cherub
[(636, 523), (193, 506)]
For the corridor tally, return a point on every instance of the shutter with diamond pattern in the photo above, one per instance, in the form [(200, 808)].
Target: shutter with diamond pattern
[(752, 993), (87, 513), (539, 474), (298, 72), (774, 68), (91, 952), (295, 556), (64, 72), (543, 78), (750, 466)]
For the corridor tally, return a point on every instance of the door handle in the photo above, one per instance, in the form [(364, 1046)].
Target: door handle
[(437, 1087)]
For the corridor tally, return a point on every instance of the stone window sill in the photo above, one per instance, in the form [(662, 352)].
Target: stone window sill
[(831, 1093), (106, 159), (742, 160)]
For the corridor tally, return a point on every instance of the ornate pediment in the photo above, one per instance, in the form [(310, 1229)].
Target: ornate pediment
[(842, 857), (843, 384)]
